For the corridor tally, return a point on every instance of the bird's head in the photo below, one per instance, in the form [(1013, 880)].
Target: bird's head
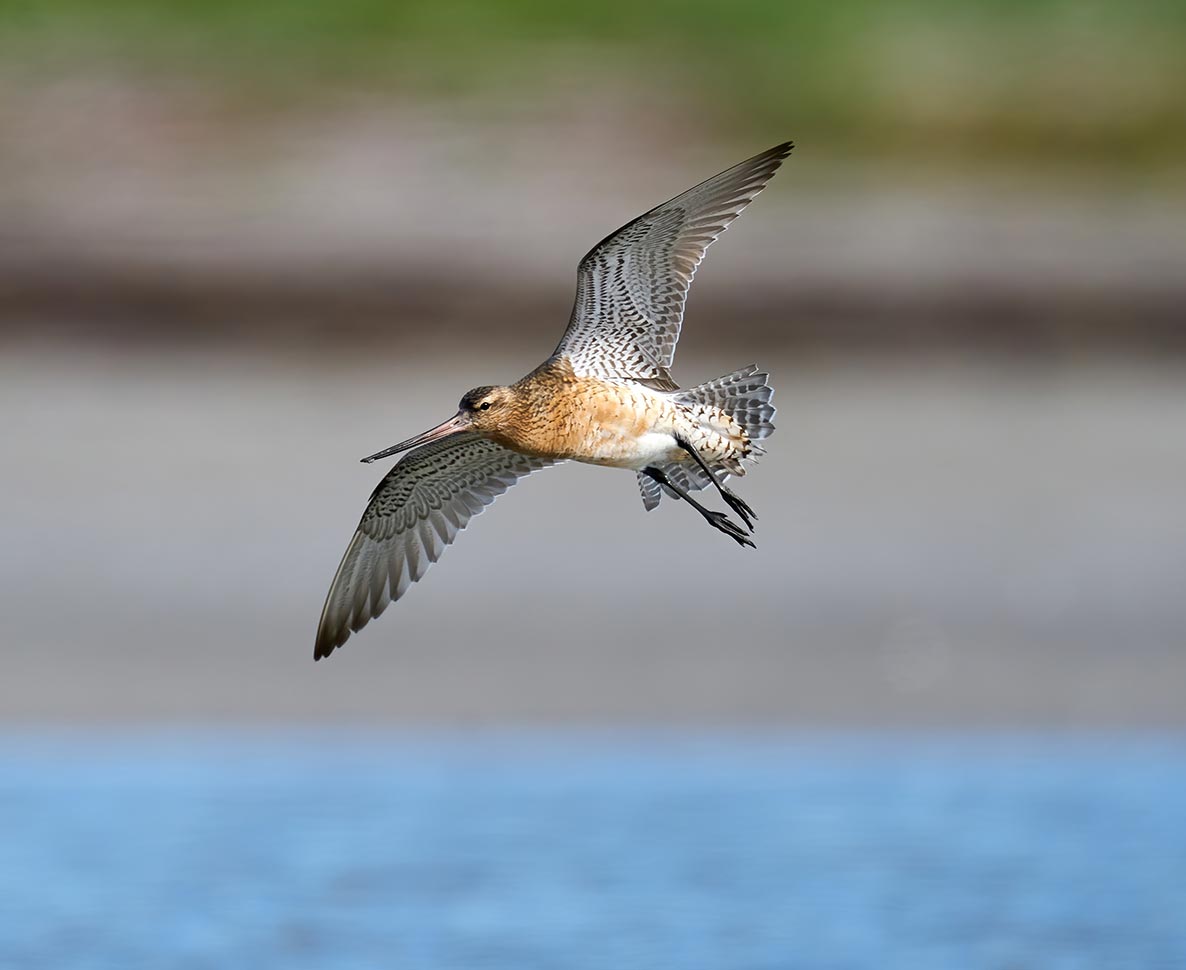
[(484, 409)]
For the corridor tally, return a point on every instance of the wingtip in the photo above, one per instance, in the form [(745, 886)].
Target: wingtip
[(326, 645), (782, 149), (771, 159)]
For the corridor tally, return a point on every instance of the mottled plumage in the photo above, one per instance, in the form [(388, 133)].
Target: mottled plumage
[(632, 286), (606, 397), (414, 513)]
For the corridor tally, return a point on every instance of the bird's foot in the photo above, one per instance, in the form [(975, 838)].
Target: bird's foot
[(740, 506), (722, 522)]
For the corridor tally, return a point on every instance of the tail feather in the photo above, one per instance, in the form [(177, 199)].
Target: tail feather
[(651, 491), (745, 395)]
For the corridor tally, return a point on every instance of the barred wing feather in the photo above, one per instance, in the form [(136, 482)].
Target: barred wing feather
[(414, 513), (632, 286)]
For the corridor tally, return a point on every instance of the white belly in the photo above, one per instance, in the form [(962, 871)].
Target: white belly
[(637, 452), (632, 427)]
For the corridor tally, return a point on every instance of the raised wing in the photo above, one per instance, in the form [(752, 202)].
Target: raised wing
[(415, 512), (632, 286)]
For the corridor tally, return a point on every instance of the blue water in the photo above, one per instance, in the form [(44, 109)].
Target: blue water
[(576, 851)]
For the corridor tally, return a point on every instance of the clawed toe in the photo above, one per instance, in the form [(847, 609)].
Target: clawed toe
[(733, 500), (718, 520), (741, 507)]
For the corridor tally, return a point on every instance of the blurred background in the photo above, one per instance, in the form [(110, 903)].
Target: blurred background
[(938, 720)]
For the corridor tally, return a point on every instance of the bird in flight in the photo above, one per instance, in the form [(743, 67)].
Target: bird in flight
[(605, 396)]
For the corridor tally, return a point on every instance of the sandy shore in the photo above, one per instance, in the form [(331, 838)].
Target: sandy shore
[(942, 542)]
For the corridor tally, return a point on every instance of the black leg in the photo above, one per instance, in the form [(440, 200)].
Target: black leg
[(718, 520), (732, 499)]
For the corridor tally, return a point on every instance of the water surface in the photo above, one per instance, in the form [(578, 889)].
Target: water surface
[(522, 850)]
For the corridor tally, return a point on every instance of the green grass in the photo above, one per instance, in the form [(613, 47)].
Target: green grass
[(1040, 79)]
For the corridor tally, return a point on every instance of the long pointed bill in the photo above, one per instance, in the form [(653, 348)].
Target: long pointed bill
[(459, 422)]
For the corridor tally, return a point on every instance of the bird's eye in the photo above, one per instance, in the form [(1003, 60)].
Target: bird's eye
[(484, 406)]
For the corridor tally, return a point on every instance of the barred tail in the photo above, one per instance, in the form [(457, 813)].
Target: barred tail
[(745, 396)]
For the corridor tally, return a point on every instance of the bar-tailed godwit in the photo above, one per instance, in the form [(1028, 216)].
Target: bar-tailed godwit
[(605, 396)]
